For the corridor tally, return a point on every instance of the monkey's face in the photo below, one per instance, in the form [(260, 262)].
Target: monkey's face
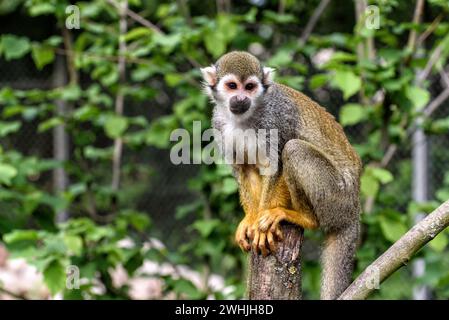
[(239, 97), (234, 94)]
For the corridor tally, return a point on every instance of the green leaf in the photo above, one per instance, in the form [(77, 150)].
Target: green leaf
[(439, 243), (42, 55), (14, 47), (371, 179), (8, 127), (173, 79), (139, 221), (391, 229), (418, 96), (71, 93), (183, 286), (7, 172), (74, 244), (167, 42), (369, 185), (55, 246), (351, 114), (279, 18), (41, 8), (280, 59), (49, 124), (348, 82), (137, 33), (54, 276), (115, 126), (318, 80), (205, 227), (215, 43), (20, 235), (383, 175), (230, 186)]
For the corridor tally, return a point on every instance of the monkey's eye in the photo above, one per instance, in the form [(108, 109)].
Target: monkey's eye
[(232, 85), (250, 86)]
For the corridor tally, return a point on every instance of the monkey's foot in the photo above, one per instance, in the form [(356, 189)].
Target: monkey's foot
[(269, 219), (245, 233), (265, 242)]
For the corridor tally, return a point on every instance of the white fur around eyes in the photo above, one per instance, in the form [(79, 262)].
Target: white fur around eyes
[(226, 78)]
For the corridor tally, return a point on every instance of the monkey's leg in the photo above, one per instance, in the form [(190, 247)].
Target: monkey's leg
[(332, 192), (270, 219)]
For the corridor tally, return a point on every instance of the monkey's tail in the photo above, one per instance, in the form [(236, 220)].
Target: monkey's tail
[(337, 260)]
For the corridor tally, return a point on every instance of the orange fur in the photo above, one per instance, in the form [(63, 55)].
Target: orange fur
[(251, 183)]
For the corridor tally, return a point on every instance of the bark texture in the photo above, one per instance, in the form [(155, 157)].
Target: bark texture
[(277, 276)]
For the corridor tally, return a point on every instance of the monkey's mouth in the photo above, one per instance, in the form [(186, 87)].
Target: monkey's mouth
[(239, 108)]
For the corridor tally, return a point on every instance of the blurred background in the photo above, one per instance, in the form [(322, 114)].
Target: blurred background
[(91, 206)]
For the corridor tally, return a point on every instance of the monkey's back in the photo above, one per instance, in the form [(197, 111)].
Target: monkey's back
[(319, 127)]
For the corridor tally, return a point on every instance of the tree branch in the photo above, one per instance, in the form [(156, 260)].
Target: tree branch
[(429, 30), (277, 276), (136, 17), (398, 254), (419, 8), (313, 21), (12, 294), (120, 98)]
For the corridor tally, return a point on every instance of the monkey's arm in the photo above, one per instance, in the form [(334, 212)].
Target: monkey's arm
[(275, 205), (258, 193)]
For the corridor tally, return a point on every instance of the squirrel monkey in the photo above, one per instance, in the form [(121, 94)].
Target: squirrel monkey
[(317, 181)]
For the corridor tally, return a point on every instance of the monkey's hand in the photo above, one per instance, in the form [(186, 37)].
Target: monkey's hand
[(269, 219), (245, 233), (249, 236)]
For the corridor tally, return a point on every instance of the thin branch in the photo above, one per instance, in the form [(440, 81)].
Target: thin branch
[(313, 21), (68, 46), (436, 54), (136, 17), (277, 35), (429, 30), (12, 294), (223, 6), (183, 6), (102, 56), (419, 8), (360, 8), (399, 254), (391, 150), (120, 98), (436, 103)]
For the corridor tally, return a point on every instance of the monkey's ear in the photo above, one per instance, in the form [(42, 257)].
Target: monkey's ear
[(210, 75), (268, 75)]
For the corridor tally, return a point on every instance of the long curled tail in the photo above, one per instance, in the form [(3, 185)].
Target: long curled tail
[(337, 260)]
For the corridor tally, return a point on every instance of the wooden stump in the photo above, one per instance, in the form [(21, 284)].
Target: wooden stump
[(278, 276)]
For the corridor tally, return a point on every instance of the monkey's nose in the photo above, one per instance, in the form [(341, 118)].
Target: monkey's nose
[(239, 104)]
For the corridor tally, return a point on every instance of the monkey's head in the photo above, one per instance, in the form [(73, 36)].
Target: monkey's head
[(237, 82)]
